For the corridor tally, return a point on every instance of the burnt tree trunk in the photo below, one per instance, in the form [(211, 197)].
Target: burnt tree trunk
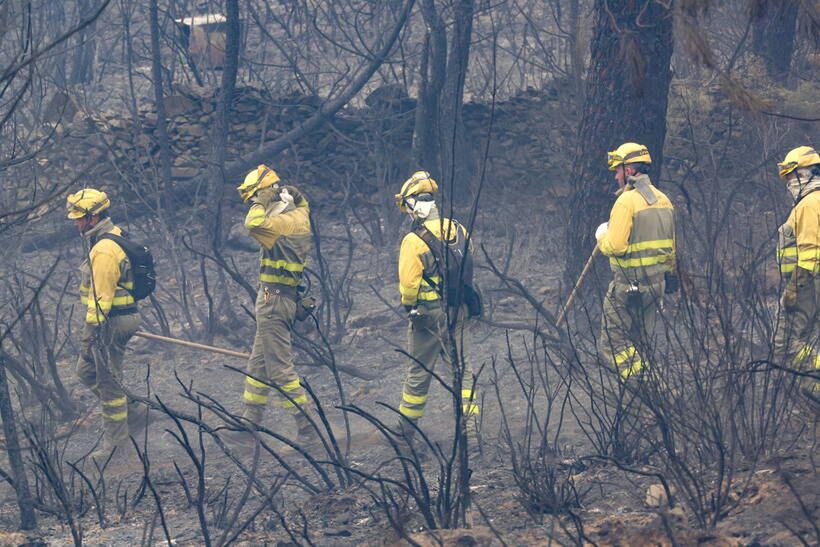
[(773, 35), (576, 50), (56, 14), (129, 61), (159, 98), (433, 71), (28, 519), (82, 66), (439, 141), (221, 127), (457, 161), (625, 100)]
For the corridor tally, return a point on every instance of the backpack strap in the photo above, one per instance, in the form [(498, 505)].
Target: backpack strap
[(113, 237), (433, 243)]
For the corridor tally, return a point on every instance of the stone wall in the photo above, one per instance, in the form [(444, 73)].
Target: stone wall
[(362, 150)]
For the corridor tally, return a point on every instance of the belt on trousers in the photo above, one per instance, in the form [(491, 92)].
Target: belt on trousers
[(284, 290), (120, 312)]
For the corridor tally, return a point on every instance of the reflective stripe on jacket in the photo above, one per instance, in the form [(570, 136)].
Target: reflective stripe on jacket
[(798, 242), (640, 240), (285, 239), (105, 285), (416, 260)]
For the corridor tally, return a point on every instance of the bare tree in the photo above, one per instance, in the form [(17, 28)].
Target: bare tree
[(439, 143), (159, 98), (774, 29), (221, 127), (82, 67), (28, 519), (22, 50)]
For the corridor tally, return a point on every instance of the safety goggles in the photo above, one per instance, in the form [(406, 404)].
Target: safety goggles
[(614, 160), (786, 168)]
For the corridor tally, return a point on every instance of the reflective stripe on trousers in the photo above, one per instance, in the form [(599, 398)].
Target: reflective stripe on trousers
[(257, 393), (272, 356), (426, 333), (103, 376), (627, 324)]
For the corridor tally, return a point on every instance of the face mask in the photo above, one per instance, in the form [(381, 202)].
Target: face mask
[(102, 226), (422, 209), (794, 187), (802, 184)]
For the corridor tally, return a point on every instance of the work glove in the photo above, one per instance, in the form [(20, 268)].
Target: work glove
[(299, 199), (265, 196), (412, 311), (281, 204), (285, 197), (602, 229), (785, 240)]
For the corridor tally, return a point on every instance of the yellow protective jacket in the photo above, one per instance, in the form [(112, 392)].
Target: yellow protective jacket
[(416, 260), (798, 243), (285, 239), (106, 281), (640, 239)]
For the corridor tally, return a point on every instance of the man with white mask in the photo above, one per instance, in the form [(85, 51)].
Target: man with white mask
[(798, 253), (279, 220), (435, 270)]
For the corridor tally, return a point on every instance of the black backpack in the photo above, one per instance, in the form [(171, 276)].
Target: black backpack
[(142, 265), (456, 267)]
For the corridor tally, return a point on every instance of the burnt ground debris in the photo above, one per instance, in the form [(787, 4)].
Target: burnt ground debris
[(764, 493)]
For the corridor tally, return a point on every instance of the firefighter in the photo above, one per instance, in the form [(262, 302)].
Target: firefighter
[(420, 286), (799, 258), (111, 318), (639, 240), (279, 220)]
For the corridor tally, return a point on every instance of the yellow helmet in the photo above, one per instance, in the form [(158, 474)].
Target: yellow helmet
[(420, 183), (628, 152), (86, 202), (261, 177), (802, 156)]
